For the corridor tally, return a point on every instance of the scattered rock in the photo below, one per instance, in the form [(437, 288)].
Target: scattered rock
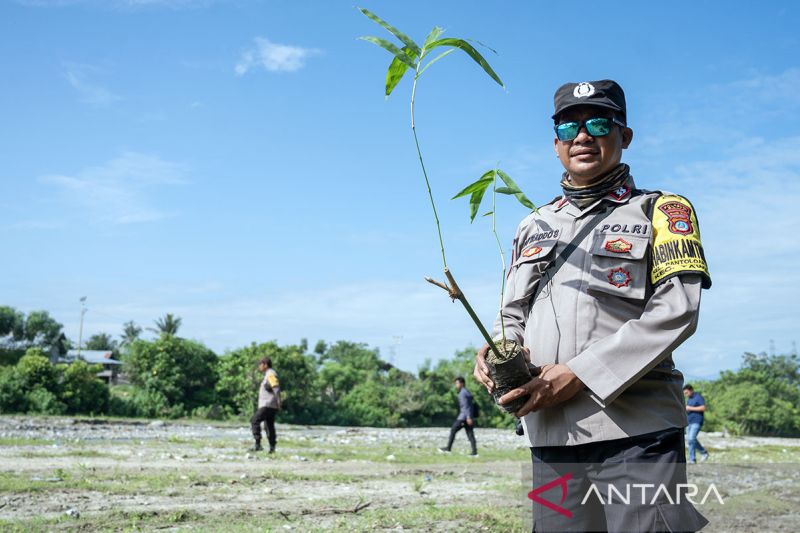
[(73, 513), (391, 457)]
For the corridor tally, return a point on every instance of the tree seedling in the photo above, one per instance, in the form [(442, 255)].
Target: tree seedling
[(506, 362), (409, 55)]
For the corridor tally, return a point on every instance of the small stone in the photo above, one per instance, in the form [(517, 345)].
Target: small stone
[(156, 424), (73, 513), (391, 457), (243, 476)]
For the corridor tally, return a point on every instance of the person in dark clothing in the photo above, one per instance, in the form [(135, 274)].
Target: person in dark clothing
[(269, 403), (695, 407), (465, 418)]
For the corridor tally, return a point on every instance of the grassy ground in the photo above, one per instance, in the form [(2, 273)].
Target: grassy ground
[(133, 477)]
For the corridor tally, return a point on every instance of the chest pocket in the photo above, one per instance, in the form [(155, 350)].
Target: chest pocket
[(619, 264), (530, 264)]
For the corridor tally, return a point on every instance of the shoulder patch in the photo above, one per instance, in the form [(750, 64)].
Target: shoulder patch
[(677, 248)]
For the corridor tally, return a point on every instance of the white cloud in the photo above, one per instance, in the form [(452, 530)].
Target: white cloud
[(117, 191), (747, 199), (273, 57), (90, 92)]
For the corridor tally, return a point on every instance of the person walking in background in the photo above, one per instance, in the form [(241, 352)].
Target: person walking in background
[(695, 409), (269, 403), (465, 419)]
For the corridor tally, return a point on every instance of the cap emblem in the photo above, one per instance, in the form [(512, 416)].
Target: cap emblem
[(583, 89)]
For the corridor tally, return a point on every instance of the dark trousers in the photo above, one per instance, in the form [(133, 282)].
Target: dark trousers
[(565, 475), (266, 415), (457, 425)]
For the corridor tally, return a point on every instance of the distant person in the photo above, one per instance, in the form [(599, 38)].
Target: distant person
[(695, 409), (269, 403), (465, 419)]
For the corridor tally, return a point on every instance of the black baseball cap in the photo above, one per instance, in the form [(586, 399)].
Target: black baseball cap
[(601, 93)]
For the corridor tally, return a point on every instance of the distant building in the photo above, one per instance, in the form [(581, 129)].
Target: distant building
[(111, 367)]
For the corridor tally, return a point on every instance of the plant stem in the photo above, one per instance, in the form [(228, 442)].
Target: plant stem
[(457, 293), (502, 256), (422, 164)]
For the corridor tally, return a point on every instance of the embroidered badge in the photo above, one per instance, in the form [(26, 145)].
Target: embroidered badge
[(532, 251), (618, 246), (679, 216), (620, 192), (619, 277), (583, 89)]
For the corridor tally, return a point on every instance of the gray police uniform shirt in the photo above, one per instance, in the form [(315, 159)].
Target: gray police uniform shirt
[(268, 395), (625, 299)]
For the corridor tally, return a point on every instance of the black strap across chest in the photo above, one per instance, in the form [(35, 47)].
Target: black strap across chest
[(550, 272)]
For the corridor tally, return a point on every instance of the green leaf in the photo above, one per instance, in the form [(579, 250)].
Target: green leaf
[(470, 50), (434, 60), (488, 213), (512, 185), (484, 45), (475, 203), (406, 40), (507, 190), (396, 71), (481, 184), (477, 190), (386, 45), (435, 33)]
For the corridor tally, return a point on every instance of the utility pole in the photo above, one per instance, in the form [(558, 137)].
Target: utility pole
[(80, 331)]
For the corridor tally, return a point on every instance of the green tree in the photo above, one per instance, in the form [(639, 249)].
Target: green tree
[(42, 330), (82, 392), (130, 333), (168, 325), (180, 370), (761, 398), (12, 324), (239, 379), (101, 341)]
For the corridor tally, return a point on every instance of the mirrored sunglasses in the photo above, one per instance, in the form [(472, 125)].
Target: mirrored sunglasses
[(596, 127)]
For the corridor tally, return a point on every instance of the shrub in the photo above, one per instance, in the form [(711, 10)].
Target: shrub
[(42, 401), (176, 372), (12, 392), (82, 392)]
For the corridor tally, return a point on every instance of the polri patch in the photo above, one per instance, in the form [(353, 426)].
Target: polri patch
[(679, 216), (619, 277), (618, 246), (530, 252)]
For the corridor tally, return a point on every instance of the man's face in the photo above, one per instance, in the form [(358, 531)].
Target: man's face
[(586, 157), (458, 385), (687, 392), (262, 367)]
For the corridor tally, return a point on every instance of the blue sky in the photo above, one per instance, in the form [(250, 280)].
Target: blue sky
[(235, 163)]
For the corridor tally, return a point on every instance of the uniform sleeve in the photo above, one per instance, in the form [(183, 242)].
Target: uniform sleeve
[(613, 363), (520, 285), (273, 380), (677, 248)]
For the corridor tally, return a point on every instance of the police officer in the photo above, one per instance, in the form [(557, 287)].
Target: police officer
[(605, 283), (269, 403)]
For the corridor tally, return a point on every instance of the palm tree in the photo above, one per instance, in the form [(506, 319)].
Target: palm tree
[(130, 332), (168, 325)]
